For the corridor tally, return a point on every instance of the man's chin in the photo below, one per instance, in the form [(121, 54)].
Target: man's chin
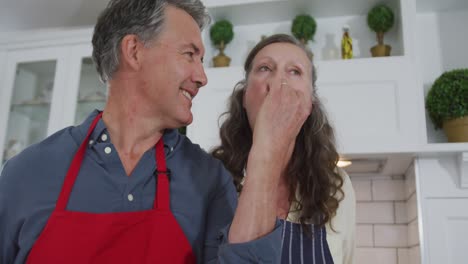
[(186, 122)]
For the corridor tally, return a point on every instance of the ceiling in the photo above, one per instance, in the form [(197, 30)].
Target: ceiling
[(33, 14), (18, 15)]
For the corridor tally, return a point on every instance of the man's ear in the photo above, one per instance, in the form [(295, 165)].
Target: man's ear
[(130, 47)]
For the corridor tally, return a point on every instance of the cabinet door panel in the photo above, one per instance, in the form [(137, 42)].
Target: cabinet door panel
[(446, 231), (369, 102), (85, 91), (32, 98), (348, 106)]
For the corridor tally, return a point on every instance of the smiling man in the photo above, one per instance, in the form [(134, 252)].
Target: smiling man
[(124, 186)]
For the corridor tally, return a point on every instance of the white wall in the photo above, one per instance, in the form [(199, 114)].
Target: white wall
[(442, 46)]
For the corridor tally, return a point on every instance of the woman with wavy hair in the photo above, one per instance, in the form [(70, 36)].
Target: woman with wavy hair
[(314, 198)]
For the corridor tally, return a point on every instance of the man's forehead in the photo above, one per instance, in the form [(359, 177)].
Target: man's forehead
[(197, 46)]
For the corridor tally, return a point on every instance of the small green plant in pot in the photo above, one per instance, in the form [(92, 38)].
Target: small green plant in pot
[(303, 28), (380, 19), (447, 104), (221, 34)]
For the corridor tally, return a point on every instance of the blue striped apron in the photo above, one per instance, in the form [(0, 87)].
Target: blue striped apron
[(299, 248)]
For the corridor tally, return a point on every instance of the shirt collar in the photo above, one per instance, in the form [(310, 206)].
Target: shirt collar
[(171, 136)]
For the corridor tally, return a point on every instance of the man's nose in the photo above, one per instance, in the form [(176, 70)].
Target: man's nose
[(199, 76)]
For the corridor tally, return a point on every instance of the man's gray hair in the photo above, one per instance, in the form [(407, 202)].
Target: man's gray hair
[(144, 18)]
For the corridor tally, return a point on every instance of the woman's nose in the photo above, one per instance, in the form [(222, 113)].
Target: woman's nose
[(276, 81)]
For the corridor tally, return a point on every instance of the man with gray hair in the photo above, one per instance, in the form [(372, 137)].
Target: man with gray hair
[(125, 186)]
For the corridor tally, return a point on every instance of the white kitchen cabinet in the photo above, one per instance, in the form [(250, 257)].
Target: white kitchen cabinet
[(375, 104), (445, 231), (440, 28), (443, 203), (385, 85), (369, 101), (86, 90), (48, 82), (31, 98), (371, 104)]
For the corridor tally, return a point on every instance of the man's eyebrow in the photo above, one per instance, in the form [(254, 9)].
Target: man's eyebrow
[(193, 46)]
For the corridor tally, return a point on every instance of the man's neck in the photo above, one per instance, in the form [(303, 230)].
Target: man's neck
[(132, 129)]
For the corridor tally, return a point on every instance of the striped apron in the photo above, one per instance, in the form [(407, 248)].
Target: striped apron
[(298, 248)]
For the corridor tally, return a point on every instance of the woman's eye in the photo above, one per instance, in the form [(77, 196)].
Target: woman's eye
[(263, 68)]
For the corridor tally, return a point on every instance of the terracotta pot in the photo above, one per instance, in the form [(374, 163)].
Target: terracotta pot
[(221, 60), (456, 129), (381, 50)]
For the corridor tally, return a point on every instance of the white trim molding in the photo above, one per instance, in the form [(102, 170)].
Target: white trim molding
[(45, 38), (463, 169)]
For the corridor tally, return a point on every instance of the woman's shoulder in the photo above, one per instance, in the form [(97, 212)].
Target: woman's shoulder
[(341, 228), (347, 203), (347, 187)]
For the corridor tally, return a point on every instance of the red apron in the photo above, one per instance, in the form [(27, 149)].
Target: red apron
[(151, 236)]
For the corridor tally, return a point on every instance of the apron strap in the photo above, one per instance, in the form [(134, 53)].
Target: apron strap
[(74, 169), (162, 199)]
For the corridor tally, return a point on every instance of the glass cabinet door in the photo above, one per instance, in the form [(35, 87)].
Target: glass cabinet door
[(30, 105), (91, 91), (29, 102)]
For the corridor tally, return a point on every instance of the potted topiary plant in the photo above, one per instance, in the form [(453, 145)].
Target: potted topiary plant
[(221, 34), (303, 28), (447, 104), (380, 19)]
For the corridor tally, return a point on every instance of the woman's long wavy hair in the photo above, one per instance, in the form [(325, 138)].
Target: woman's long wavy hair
[(311, 171)]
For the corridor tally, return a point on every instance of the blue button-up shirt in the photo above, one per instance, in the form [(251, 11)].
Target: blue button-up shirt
[(203, 197)]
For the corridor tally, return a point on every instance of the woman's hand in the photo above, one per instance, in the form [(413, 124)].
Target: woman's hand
[(279, 121)]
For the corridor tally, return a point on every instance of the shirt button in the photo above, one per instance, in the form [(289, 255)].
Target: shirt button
[(107, 150), (91, 142), (103, 137), (130, 197)]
